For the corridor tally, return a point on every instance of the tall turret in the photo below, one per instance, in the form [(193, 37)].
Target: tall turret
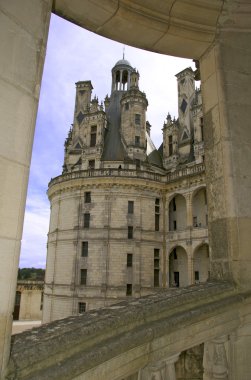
[(133, 119)]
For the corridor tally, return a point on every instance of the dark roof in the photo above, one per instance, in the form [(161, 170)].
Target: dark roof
[(154, 158), (123, 62), (113, 147), (160, 150)]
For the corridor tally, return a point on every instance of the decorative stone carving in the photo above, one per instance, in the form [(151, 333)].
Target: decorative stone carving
[(215, 359), (161, 370)]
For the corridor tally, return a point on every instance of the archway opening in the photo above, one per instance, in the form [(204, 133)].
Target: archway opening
[(201, 263), (177, 213), (199, 205), (178, 269)]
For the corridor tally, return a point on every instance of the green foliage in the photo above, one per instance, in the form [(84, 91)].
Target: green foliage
[(33, 274)]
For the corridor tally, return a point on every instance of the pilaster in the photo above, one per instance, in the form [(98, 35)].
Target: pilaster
[(226, 89), (23, 30)]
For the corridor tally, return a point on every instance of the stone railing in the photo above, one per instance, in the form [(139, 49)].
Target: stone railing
[(129, 173), (132, 338)]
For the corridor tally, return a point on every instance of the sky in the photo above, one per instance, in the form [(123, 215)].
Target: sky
[(75, 54)]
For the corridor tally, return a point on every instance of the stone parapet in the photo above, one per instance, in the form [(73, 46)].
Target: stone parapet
[(189, 171), (74, 346)]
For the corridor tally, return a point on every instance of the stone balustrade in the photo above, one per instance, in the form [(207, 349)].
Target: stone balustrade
[(136, 339), (129, 173)]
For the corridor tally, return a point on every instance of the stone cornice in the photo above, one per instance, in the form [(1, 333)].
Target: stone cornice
[(108, 178)]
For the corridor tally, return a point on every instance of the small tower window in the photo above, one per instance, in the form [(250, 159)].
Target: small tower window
[(93, 135), (91, 164), (137, 118), (127, 106), (170, 144), (201, 129), (137, 140)]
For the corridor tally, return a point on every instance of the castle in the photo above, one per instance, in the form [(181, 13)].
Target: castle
[(126, 218)]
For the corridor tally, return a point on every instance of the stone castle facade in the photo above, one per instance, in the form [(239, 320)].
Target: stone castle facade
[(126, 218)]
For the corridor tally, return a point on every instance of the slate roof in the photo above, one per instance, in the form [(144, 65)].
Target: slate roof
[(113, 146)]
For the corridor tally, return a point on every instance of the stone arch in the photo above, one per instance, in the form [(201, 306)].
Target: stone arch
[(177, 213), (178, 267), (201, 263), (125, 77), (199, 207)]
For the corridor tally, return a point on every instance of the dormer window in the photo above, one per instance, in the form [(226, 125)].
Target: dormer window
[(93, 135)]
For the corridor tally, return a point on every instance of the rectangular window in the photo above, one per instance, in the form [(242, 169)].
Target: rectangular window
[(137, 118), (196, 276), (128, 289), (170, 145), (87, 197), (130, 207), (91, 164), (137, 140), (156, 222), (137, 163), (84, 251), (157, 208), (174, 225), (81, 307), (93, 135), (156, 278), (156, 267), (86, 220), (157, 205), (202, 128), (129, 260), (83, 276), (130, 232)]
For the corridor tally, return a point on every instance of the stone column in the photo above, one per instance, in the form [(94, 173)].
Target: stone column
[(189, 210), (215, 359), (23, 37), (160, 370), (120, 80), (226, 89)]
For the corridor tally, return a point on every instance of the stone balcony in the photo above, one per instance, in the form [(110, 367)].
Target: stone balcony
[(188, 234)]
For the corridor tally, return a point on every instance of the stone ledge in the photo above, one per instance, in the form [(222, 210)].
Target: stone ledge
[(65, 348)]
